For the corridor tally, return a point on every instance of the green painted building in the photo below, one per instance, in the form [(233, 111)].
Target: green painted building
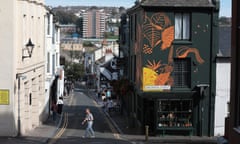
[(171, 64)]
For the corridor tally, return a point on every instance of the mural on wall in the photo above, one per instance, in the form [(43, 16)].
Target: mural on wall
[(158, 34), (183, 52)]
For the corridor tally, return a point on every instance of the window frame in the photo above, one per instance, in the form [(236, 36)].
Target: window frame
[(189, 29), (183, 76)]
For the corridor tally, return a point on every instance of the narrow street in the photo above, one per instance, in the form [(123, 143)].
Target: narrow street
[(71, 129), (74, 112)]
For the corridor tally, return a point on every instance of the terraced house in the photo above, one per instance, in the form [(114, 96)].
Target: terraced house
[(171, 61)]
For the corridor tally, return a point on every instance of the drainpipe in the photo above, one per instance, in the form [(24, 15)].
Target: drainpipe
[(202, 88), (19, 76), (18, 119)]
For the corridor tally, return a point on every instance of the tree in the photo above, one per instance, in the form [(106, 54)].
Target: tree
[(74, 71), (87, 44), (65, 17), (122, 9)]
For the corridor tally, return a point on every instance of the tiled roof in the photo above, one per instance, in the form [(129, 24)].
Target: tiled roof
[(178, 3), (224, 41)]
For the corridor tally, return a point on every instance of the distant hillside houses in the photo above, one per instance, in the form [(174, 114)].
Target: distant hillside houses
[(91, 22)]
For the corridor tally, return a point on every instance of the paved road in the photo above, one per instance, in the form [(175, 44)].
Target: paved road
[(71, 131), (74, 112)]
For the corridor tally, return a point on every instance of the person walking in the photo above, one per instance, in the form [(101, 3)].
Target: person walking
[(89, 119), (108, 94)]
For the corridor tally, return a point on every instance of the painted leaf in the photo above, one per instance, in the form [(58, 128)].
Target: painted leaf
[(167, 37), (162, 78), (153, 65)]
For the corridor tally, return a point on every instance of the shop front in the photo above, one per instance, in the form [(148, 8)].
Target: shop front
[(182, 113), (175, 116)]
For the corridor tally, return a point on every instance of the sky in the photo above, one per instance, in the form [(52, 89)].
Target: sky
[(225, 5)]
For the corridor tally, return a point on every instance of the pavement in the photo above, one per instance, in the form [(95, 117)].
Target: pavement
[(39, 135), (43, 133)]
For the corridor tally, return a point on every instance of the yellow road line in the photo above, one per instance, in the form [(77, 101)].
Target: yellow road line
[(113, 129), (61, 131), (65, 124), (59, 134)]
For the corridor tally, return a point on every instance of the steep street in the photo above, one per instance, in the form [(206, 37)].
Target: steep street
[(73, 114)]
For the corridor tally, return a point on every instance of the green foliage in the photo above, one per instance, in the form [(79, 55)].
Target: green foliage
[(87, 44), (74, 70), (65, 17), (110, 35)]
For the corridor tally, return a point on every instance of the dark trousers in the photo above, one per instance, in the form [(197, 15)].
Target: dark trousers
[(59, 109)]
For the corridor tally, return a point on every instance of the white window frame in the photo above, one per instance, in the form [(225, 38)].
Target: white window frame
[(182, 26)]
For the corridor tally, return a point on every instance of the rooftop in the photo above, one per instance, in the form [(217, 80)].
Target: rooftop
[(224, 41), (178, 3)]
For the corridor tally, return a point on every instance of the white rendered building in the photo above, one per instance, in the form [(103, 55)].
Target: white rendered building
[(22, 73), (54, 78), (223, 79)]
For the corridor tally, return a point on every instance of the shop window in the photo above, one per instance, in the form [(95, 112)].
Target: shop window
[(182, 73), (182, 26), (174, 113)]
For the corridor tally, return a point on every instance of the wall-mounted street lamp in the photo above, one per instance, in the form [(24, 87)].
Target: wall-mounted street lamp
[(29, 48)]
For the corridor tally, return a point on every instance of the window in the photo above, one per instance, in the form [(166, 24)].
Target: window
[(57, 59), (176, 113), (53, 36), (182, 73), (131, 27), (48, 24), (182, 26), (135, 26), (133, 67), (53, 64), (48, 62)]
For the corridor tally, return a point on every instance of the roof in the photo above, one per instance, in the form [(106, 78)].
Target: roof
[(224, 41), (178, 3)]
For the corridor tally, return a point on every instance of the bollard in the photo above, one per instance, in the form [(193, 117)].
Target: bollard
[(146, 132)]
